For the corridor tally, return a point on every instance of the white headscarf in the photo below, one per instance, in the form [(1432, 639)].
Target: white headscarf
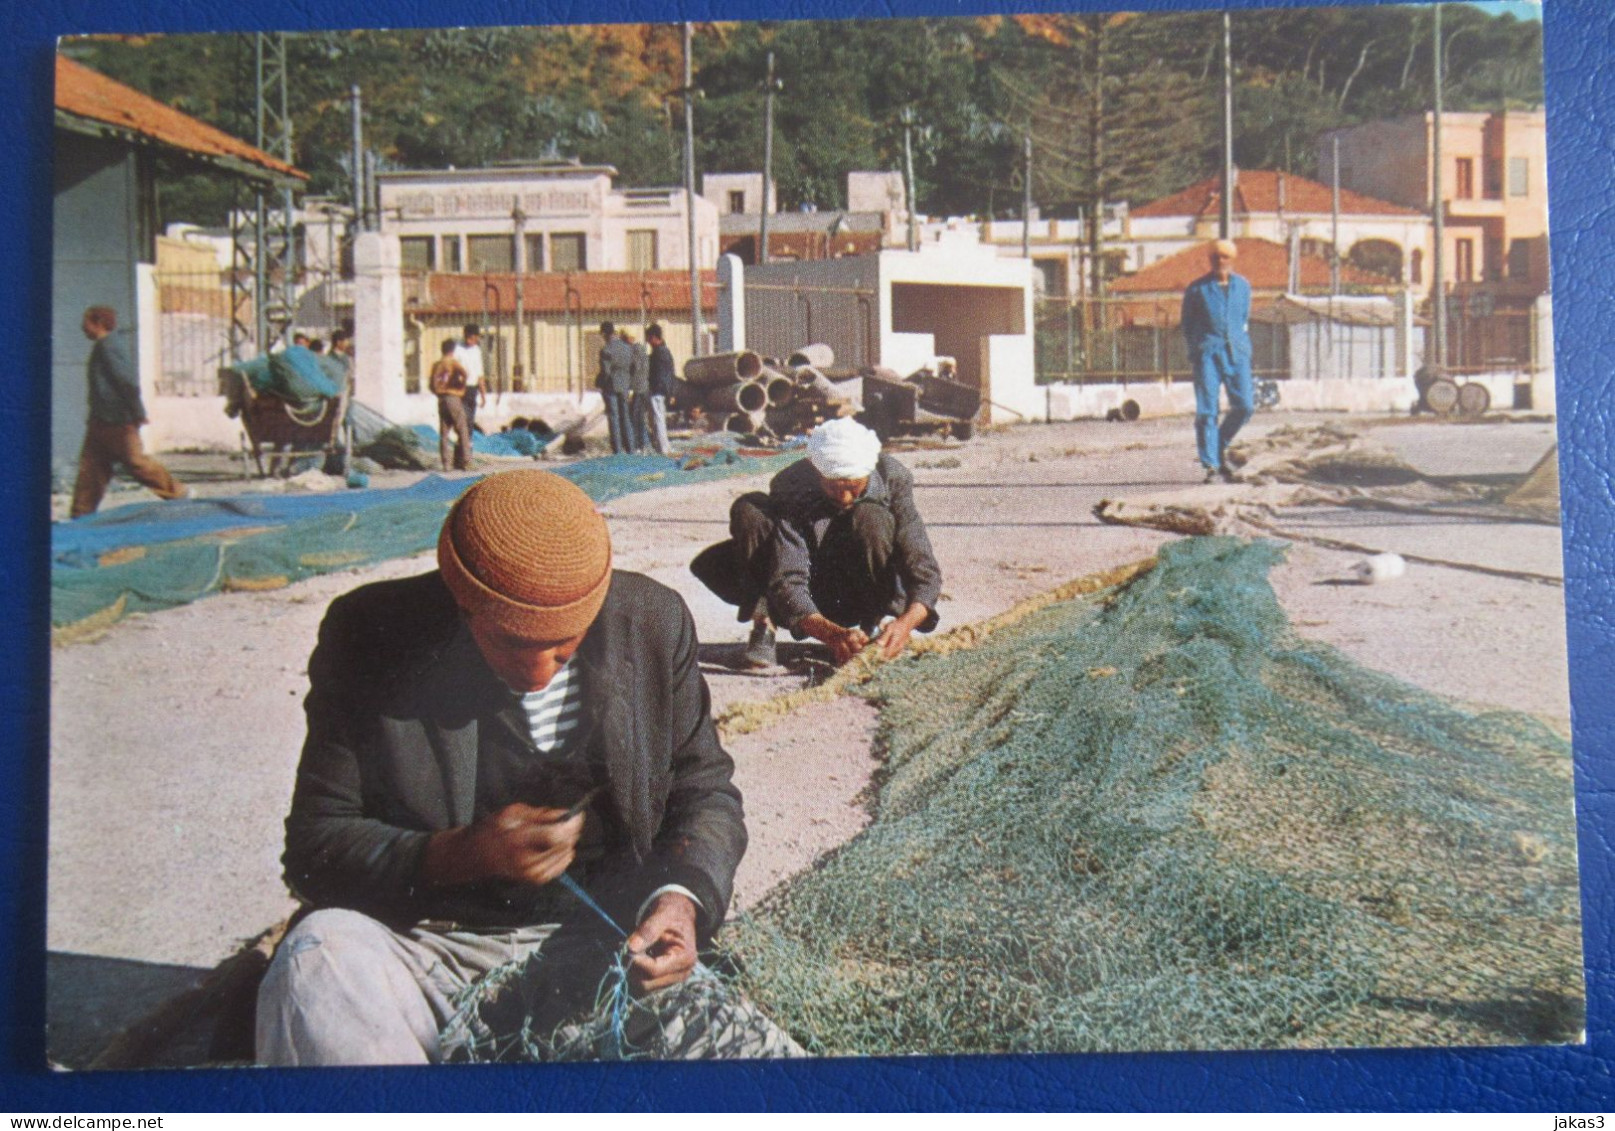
[(843, 449)]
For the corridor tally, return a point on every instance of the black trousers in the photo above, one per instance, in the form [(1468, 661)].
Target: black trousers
[(852, 576)]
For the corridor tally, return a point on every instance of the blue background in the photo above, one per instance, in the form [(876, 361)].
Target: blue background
[(1581, 119)]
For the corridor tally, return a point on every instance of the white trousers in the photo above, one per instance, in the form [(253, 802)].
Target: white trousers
[(346, 989)]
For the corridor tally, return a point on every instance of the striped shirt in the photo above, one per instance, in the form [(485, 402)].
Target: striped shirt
[(554, 711)]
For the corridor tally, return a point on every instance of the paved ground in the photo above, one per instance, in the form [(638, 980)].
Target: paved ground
[(175, 736)]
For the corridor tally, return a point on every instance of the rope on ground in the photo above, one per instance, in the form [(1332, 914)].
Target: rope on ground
[(1359, 548), (752, 715)]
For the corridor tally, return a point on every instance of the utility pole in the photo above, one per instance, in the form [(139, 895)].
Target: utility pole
[(1438, 271), (697, 344), (770, 85), (359, 198), (1225, 215), (519, 219), (1026, 204), (1334, 220), (908, 177)]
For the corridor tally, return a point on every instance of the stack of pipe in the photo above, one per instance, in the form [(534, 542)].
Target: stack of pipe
[(747, 393)]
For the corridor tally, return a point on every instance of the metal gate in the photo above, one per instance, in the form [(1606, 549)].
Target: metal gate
[(784, 317)]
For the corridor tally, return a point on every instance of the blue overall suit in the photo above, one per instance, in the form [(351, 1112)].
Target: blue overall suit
[(1216, 324)]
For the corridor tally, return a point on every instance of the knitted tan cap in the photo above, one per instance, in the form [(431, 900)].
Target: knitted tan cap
[(527, 551)]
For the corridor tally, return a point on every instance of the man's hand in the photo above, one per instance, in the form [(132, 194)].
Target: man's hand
[(894, 637), (663, 945), (519, 842), (845, 643)]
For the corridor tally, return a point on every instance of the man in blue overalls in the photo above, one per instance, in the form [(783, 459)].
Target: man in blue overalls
[(1216, 323)]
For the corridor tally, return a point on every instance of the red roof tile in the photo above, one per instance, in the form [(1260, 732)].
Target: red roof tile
[(1257, 190), (587, 292), (1265, 264), (88, 94)]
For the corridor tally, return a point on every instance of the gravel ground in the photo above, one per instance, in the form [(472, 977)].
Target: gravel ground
[(175, 735)]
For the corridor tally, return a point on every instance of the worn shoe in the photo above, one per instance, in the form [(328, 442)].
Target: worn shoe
[(1229, 475), (760, 651), (1212, 475)]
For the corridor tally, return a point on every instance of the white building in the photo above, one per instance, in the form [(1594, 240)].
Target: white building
[(898, 309), (738, 194), (546, 216)]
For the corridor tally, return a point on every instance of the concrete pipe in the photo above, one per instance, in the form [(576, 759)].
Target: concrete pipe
[(818, 355), (781, 389), (723, 368), (744, 396)]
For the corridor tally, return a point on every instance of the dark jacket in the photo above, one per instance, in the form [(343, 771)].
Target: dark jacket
[(616, 367), (114, 381), (401, 710), (803, 513), (663, 373)]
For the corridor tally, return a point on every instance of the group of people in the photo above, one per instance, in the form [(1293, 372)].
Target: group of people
[(456, 380), (511, 782), (512, 778), (635, 386)]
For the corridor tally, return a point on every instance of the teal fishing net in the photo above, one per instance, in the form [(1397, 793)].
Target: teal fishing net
[(1161, 820), (157, 556)]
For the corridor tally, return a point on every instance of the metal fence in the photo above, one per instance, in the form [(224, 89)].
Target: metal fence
[(1121, 339), (1488, 336), (194, 325), (784, 317), (1082, 341)]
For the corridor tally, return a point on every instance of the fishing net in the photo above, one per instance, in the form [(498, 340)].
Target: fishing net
[(156, 556), (1334, 465), (1163, 821)]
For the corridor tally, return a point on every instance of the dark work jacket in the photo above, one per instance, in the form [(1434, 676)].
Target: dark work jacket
[(663, 373), (114, 381), (401, 706), (802, 514)]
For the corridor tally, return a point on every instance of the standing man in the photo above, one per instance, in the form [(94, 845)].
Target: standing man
[(614, 381), (112, 433), (447, 382), (1216, 324), (663, 375), (638, 392), (520, 715), (834, 548), (469, 355)]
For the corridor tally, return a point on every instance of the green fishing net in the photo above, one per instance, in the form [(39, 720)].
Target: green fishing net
[(1161, 820)]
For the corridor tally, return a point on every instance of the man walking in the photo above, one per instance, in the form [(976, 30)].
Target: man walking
[(1216, 325), (112, 433), (614, 382), (469, 355), (663, 375)]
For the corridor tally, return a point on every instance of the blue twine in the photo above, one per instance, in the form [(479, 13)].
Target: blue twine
[(571, 885), (612, 998)]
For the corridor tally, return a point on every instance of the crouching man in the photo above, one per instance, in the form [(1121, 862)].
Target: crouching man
[(833, 549), (502, 755)]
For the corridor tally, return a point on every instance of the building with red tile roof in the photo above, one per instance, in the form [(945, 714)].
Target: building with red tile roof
[(113, 143), (1265, 264), (1380, 237), (1265, 190), (87, 102)]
